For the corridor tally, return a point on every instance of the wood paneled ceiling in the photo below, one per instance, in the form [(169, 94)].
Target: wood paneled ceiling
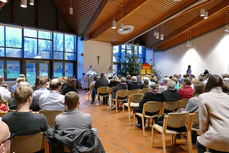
[(179, 21)]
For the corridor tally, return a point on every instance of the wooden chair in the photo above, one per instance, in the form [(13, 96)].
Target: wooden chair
[(103, 92), (110, 91), (183, 103), (90, 92), (150, 107), (29, 143), (135, 91), (133, 101), (145, 90), (121, 96), (50, 115), (171, 106), (175, 120)]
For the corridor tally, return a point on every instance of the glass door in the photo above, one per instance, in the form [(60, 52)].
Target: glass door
[(36, 69)]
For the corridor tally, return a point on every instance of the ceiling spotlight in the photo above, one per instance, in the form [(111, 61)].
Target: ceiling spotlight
[(23, 3), (31, 2), (113, 24), (121, 26), (206, 15), (4, 1), (157, 35), (188, 44), (227, 28), (202, 12), (70, 10), (162, 37)]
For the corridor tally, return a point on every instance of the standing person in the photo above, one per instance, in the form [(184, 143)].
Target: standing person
[(214, 118), (110, 72), (189, 70)]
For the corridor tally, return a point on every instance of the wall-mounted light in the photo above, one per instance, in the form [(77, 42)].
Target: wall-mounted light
[(31, 2), (23, 3), (113, 20)]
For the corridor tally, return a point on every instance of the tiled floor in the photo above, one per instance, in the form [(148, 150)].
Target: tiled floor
[(119, 135)]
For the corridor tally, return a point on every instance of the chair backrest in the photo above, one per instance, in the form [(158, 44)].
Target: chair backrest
[(177, 120), (196, 119), (91, 88), (103, 90), (184, 103), (122, 93), (171, 105), (135, 91), (110, 91), (50, 115), (152, 107), (145, 90), (27, 144), (136, 98)]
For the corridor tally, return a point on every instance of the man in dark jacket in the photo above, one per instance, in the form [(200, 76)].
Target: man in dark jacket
[(134, 84), (101, 82), (171, 94), (149, 96)]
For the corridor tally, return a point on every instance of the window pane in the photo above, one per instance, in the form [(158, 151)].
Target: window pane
[(30, 48), (116, 51), (68, 69), (30, 33), (129, 46), (58, 69), (58, 42), (43, 69), (13, 69), (13, 37), (58, 55), (2, 68), (2, 52), (115, 68), (45, 49), (116, 59), (70, 56), (45, 35), (31, 72), (11, 52), (1, 35), (70, 43), (123, 46)]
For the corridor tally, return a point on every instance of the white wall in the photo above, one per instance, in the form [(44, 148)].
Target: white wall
[(92, 49), (210, 51)]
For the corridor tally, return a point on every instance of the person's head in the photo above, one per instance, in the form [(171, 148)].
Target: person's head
[(18, 80), (71, 100), (123, 79), (187, 82), (174, 79), (198, 88), (134, 79), (43, 81), (90, 66), (1, 80), (5, 86), (23, 94), (115, 77), (102, 75), (70, 83), (55, 84), (195, 80), (214, 81), (95, 78), (189, 66), (4, 138), (83, 74), (165, 81), (153, 86), (171, 84), (23, 83), (146, 81), (128, 77), (21, 75)]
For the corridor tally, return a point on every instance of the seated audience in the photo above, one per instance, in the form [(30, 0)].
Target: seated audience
[(4, 93), (114, 81), (171, 94), (13, 103), (36, 85), (18, 80), (53, 100), (43, 83), (101, 82), (93, 82), (153, 78), (187, 91), (163, 87), (213, 117), (139, 79), (70, 86), (72, 118), (22, 121), (133, 84), (149, 96), (4, 138), (145, 83)]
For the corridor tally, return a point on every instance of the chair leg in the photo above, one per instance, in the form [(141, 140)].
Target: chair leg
[(163, 142), (116, 105), (189, 142), (152, 137), (143, 126), (148, 122), (134, 119)]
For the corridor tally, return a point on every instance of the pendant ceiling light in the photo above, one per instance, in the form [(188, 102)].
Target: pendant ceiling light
[(155, 33), (188, 43), (113, 21), (202, 12), (206, 15), (227, 28), (121, 26), (23, 3), (162, 37), (70, 8), (162, 33), (31, 2)]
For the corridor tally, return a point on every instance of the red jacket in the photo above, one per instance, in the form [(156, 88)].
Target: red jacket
[(3, 107), (186, 92)]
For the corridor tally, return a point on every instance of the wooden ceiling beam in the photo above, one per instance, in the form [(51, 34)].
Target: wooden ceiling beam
[(196, 32), (128, 10), (192, 23)]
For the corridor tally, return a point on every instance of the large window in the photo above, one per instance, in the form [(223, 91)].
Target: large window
[(120, 53), (18, 45)]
